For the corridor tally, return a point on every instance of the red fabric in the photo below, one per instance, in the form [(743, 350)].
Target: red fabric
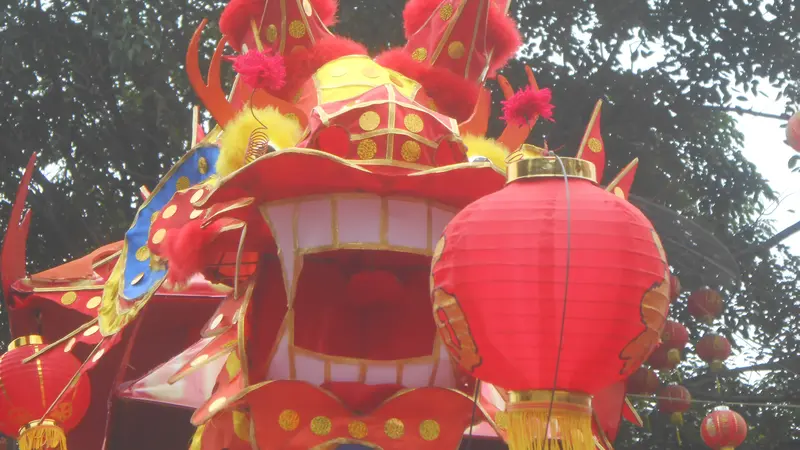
[(12, 257), (705, 304), (594, 149), (674, 399), (454, 95), (526, 105), (723, 429), (607, 406), (502, 268), (29, 389), (643, 382), (675, 335), (416, 13), (261, 70), (400, 60), (713, 348), (186, 249), (674, 287), (793, 132)]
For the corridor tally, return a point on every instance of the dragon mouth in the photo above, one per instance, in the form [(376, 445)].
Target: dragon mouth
[(356, 273)]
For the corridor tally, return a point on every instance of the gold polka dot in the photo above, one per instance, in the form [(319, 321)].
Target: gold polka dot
[(94, 302), (198, 194), (271, 33), (170, 211), (429, 430), (182, 183), (367, 149), (199, 360), (595, 145), (394, 428), (320, 425), (357, 429), (69, 298), (456, 50), (619, 192), (137, 279), (143, 253), (217, 404), (202, 165), (419, 54), (70, 345), (91, 330), (195, 213), (289, 420), (215, 323), (98, 355), (307, 8), (159, 236), (446, 12), (369, 121), (410, 151), (413, 123), (297, 29), (371, 72), (338, 71)]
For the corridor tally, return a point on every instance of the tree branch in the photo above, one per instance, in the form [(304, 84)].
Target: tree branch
[(742, 111), (771, 242)]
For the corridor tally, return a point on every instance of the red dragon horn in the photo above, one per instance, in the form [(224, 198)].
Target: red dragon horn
[(12, 258)]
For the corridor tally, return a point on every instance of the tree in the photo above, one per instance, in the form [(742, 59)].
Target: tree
[(98, 89)]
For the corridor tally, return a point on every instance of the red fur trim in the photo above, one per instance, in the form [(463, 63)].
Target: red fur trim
[(416, 13), (326, 10), (454, 95), (261, 70), (187, 249), (504, 36), (400, 60), (235, 20), (301, 64), (527, 104)]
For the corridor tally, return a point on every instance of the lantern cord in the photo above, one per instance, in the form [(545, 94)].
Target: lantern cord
[(566, 290), (474, 410)]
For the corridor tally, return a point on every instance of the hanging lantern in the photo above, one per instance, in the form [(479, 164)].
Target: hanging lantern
[(714, 349), (660, 360), (793, 132), (643, 382), (705, 304), (674, 287), (723, 429), (674, 338), (674, 400), (29, 389), (500, 289)]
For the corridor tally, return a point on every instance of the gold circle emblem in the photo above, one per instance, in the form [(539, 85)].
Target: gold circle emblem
[(159, 235), (595, 145), (272, 33), (357, 429), (446, 12), (202, 165), (69, 298), (619, 192), (143, 254), (94, 302), (170, 211), (367, 149), (410, 151), (429, 430), (394, 428), (369, 121), (182, 183), (289, 420), (419, 54), (456, 50), (320, 425), (297, 29), (413, 123)]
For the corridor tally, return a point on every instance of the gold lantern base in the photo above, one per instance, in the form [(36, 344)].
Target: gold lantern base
[(570, 421), (550, 167), (42, 435), (22, 341)]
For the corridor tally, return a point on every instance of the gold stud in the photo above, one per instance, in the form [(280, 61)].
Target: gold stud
[(307, 8), (289, 420), (446, 12), (195, 213), (369, 121), (182, 183), (410, 150), (137, 279), (297, 29), (69, 298), (357, 429), (143, 253), (619, 192), (159, 236), (98, 355), (70, 344), (94, 302), (202, 165), (217, 404), (394, 428), (320, 425), (413, 123), (91, 330), (456, 50), (367, 149), (429, 430), (595, 145), (198, 194), (215, 323), (170, 211), (272, 33), (419, 54)]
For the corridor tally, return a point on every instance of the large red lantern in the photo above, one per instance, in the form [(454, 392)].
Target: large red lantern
[(674, 338), (793, 132), (674, 400), (643, 382), (29, 389), (705, 304), (536, 290), (714, 349), (723, 429), (660, 360)]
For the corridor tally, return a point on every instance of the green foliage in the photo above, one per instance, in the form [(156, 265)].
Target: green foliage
[(98, 89)]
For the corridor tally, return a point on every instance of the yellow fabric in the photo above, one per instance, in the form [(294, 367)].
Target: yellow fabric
[(352, 76), (233, 365), (43, 437), (488, 148), (283, 132), (526, 430), (241, 426), (197, 439)]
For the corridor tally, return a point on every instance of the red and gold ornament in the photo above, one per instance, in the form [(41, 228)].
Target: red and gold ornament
[(714, 349), (705, 304), (643, 382), (793, 132), (723, 429), (29, 389), (674, 400), (499, 283), (660, 360), (674, 339)]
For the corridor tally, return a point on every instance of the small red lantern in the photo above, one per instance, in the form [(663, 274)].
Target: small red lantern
[(674, 338), (660, 360), (674, 287), (705, 304), (714, 349), (643, 382), (723, 429), (499, 281), (29, 389), (674, 400), (793, 132)]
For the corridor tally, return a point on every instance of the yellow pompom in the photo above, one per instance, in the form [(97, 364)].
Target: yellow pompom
[(488, 148), (283, 132)]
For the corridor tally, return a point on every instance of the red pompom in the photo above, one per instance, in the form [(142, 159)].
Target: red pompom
[(416, 13), (187, 249), (302, 63), (504, 38), (525, 105), (261, 70), (235, 20), (326, 10), (454, 95), (399, 60)]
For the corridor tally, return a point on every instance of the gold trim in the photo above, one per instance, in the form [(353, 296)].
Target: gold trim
[(37, 423), (560, 400), (549, 167), (22, 341)]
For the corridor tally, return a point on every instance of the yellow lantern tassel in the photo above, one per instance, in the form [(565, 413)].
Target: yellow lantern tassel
[(570, 421), (42, 435), (197, 439)]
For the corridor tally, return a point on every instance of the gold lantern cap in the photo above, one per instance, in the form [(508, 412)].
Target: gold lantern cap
[(527, 167), (22, 341)]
